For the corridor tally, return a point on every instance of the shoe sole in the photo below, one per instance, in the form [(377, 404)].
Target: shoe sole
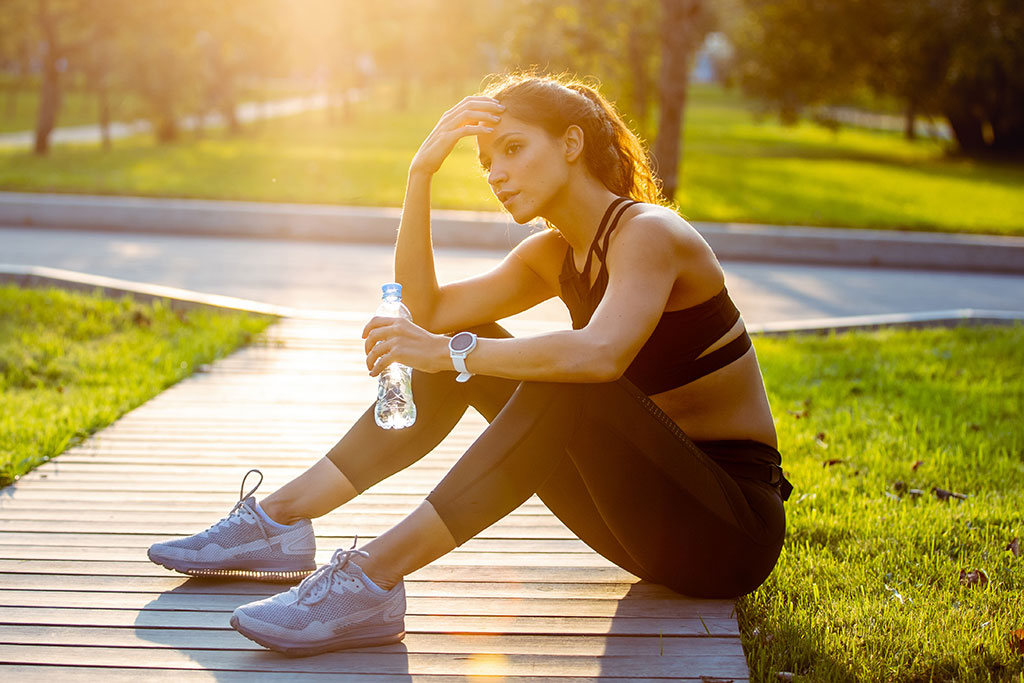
[(255, 573), (371, 638)]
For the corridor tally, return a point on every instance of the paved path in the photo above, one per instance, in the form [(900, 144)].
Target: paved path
[(347, 277), (524, 600), (247, 112)]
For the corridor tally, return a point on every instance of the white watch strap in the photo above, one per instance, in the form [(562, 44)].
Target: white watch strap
[(460, 364)]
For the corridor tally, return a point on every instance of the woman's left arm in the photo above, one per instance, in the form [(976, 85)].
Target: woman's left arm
[(642, 266)]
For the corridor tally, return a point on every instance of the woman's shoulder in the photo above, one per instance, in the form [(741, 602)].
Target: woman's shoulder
[(543, 252), (661, 227)]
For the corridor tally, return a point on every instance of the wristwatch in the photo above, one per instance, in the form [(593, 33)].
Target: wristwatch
[(459, 347)]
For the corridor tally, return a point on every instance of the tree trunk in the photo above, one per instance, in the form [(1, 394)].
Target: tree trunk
[(681, 32), (11, 107), (910, 121), (49, 92), (967, 129), (104, 110), (637, 51), (230, 113), (167, 129)]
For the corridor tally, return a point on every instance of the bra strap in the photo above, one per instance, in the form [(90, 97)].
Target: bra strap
[(602, 251), (594, 246)]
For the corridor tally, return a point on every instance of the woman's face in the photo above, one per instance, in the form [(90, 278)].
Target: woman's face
[(526, 167)]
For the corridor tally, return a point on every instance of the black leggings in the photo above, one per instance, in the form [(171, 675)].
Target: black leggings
[(605, 460)]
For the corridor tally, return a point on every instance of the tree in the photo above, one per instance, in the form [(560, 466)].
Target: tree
[(960, 59), (59, 27), (685, 24), (165, 68)]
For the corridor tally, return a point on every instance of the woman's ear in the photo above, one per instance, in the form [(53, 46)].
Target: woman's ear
[(573, 141)]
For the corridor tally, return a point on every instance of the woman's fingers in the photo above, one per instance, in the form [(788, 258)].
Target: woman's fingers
[(376, 322), (479, 102), (377, 357), (472, 116)]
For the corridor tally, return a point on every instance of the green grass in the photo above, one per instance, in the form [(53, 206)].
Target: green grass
[(868, 586), (735, 169), (72, 363), (18, 109)]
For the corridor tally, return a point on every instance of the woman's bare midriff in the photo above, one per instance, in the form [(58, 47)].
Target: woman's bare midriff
[(727, 404)]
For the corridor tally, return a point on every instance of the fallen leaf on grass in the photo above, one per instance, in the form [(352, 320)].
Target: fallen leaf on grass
[(1014, 547), (1017, 641), (785, 676), (833, 461), (973, 577), (899, 486), (943, 494), (917, 464), (798, 413), (975, 428)]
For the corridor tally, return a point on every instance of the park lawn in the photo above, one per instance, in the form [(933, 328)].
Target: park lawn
[(72, 363), (18, 109), (735, 169), (868, 587)]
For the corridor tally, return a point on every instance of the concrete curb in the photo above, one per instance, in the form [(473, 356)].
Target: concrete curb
[(489, 230), (38, 276)]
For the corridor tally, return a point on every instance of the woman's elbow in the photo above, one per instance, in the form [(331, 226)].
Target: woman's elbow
[(608, 365)]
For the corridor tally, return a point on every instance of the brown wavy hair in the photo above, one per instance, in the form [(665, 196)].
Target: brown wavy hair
[(613, 153)]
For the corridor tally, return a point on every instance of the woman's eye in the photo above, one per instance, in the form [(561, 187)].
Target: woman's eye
[(513, 148)]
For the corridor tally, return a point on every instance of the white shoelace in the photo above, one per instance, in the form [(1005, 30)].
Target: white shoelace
[(317, 585), (240, 510)]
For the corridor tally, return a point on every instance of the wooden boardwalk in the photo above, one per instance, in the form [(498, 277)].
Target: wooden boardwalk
[(525, 600)]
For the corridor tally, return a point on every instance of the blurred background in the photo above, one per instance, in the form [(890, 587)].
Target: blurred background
[(860, 113)]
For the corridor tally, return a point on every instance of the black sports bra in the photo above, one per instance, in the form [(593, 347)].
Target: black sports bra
[(671, 356)]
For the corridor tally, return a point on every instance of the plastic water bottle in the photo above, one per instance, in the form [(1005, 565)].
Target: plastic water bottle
[(395, 408)]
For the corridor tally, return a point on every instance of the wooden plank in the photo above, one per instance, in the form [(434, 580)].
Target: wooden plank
[(552, 626), (511, 527), (77, 674), (398, 663), (451, 567), (101, 540), (451, 643), (446, 605), (632, 597), (504, 560), (414, 586)]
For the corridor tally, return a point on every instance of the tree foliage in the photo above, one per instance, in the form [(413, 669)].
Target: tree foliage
[(961, 59), (180, 58)]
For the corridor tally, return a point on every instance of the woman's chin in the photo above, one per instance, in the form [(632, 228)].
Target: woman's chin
[(520, 215)]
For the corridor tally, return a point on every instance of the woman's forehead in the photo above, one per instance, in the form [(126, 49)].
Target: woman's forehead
[(507, 127)]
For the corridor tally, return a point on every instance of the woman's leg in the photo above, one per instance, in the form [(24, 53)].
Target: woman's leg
[(368, 454), (649, 499)]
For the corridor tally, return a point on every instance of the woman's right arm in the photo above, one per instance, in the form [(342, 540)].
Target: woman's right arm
[(414, 254), (510, 287)]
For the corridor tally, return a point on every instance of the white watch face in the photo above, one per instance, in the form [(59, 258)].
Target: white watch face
[(461, 342)]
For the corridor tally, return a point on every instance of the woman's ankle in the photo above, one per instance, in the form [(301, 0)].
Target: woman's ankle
[(277, 511), (380, 577)]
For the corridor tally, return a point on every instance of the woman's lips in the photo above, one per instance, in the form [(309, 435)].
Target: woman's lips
[(509, 198)]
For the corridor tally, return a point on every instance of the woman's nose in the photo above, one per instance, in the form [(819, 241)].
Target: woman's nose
[(495, 177)]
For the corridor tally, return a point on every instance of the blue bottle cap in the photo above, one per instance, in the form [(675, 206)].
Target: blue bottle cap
[(392, 289)]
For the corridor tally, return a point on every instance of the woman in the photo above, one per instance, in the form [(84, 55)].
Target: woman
[(645, 428)]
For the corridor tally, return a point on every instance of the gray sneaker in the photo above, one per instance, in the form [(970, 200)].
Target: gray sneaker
[(334, 608), (242, 546)]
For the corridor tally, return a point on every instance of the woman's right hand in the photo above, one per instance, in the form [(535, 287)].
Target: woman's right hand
[(472, 116)]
